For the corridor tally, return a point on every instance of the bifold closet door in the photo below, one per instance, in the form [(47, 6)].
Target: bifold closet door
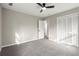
[(75, 18), (67, 29)]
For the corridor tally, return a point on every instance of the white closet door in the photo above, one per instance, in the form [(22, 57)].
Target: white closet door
[(75, 29), (67, 29), (60, 28)]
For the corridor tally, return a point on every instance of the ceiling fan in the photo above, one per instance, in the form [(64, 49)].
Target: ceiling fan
[(44, 7)]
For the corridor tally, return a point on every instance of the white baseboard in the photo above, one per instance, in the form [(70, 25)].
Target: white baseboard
[(15, 44), (8, 45)]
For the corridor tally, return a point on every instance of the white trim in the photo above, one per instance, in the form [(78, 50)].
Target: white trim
[(16, 43), (8, 45)]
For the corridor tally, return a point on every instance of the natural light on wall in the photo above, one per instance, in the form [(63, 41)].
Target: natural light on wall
[(18, 37), (67, 29)]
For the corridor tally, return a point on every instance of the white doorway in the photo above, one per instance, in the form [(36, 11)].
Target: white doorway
[(42, 29)]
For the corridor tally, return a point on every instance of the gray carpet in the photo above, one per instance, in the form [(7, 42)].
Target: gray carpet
[(40, 48)]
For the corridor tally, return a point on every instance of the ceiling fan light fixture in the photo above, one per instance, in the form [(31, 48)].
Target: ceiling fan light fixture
[(44, 8)]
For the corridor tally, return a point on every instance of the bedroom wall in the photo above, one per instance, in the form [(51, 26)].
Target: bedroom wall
[(18, 27), (0, 28), (52, 22)]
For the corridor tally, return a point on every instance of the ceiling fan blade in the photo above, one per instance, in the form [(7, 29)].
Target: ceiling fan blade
[(39, 4), (41, 10), (44, 4), (50, 6), (10, 4)]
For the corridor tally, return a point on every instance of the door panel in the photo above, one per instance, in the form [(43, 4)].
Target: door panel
[(42, 29)]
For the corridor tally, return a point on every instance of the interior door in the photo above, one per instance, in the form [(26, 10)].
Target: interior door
[(42, 29)]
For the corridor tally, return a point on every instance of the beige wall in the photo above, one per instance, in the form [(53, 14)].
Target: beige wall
[(0, 28), (52, 22), (18, 27)]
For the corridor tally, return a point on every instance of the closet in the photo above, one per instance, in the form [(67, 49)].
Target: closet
[(67, 29)]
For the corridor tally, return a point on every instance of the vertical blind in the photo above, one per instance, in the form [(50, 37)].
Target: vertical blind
[(67, 29)]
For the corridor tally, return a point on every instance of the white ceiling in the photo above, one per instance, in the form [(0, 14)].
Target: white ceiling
[(34, 9)]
